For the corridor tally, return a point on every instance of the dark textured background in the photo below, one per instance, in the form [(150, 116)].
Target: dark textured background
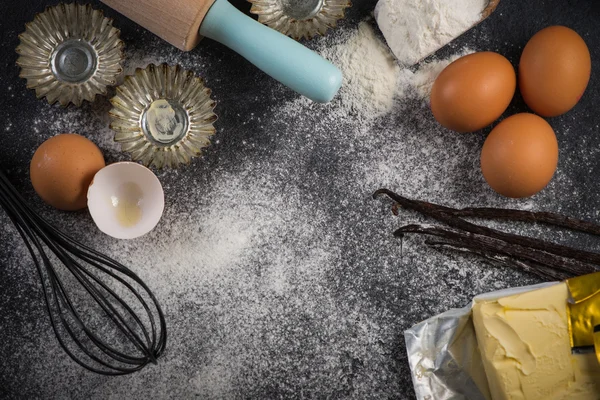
[(423, 286)]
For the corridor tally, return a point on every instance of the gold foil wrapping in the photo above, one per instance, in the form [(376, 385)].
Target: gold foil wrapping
[(584, 312)]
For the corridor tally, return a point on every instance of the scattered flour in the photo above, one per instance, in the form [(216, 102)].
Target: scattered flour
[(370, 72), (415, 29), (423, 78), (373, 80), (277, 272)]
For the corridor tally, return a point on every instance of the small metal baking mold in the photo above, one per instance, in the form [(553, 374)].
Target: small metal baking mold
[(70, 53), (300, 18), (163, 115)]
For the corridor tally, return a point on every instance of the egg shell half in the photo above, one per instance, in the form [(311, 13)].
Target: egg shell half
[(473, 91), (554, 71), (520, 156), (62, 168), (132, 185)]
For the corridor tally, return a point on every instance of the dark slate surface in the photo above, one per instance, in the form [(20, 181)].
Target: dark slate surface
[(33, 366)]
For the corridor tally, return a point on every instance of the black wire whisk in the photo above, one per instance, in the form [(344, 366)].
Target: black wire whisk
[(103, 315)]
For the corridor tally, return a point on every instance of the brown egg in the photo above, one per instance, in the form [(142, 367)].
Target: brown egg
[(554, 70), (473, 91), (62, 168), (520, 156)]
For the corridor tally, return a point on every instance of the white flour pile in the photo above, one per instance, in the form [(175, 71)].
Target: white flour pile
[(370, 73), (373, 80), (415, 29)]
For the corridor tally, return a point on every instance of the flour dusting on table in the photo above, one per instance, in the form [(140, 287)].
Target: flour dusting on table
[(423, 78), (373, 80), (277, 271)]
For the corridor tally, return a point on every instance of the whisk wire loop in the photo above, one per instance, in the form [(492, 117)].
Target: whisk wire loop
[(138, 332)]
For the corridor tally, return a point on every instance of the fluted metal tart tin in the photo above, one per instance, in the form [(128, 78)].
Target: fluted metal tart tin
[(300, 18), (70, 53), (163, 116)]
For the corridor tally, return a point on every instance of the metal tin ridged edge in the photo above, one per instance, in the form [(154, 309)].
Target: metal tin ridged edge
[(273, 14), (76, 23), (162, 82)]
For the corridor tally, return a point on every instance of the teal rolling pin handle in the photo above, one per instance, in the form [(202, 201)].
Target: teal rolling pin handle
[(281, 57)]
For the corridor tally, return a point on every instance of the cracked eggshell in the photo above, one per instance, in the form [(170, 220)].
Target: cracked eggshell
[(126, 200)]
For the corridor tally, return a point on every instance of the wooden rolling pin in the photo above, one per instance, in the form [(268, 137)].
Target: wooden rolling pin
[(183, 22)]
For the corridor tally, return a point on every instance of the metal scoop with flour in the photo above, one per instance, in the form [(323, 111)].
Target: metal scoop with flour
[(415, 30)]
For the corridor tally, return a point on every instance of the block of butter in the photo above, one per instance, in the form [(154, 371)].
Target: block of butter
[(525, 346)]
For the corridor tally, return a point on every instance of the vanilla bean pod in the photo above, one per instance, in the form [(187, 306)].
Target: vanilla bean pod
[(490, 244), (541, 217), (444, 214), (535, 268)]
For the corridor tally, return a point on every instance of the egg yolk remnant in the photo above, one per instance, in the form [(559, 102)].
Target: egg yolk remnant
[(127, 203)]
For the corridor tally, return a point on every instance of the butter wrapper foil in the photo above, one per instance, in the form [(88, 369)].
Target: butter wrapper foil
[(584, 312), (443, 355)]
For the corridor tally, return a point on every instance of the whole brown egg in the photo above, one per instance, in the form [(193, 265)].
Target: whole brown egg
[(554, 70), (62, 169), (520, 155), (473, 91)]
